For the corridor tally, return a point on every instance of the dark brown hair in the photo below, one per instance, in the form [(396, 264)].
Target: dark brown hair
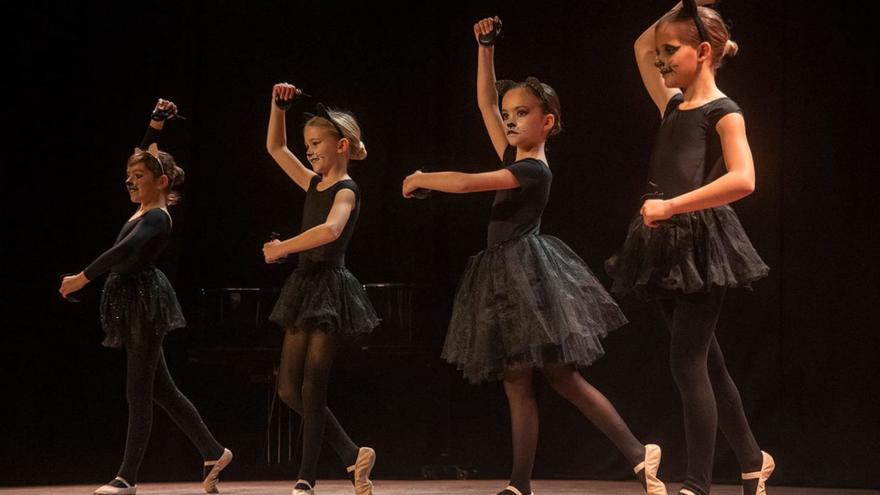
[(164, 165), (546, 94)]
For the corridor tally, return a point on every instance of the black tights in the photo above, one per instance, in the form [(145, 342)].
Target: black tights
[(709, 397), (148, 381), (306, 359), (568, 382)]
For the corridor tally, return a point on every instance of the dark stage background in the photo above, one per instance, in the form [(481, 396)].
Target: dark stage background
[(802, 346)]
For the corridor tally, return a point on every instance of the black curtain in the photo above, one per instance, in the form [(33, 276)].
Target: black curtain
[(802, 346)]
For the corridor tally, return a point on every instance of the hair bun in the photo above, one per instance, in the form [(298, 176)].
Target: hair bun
[(176, 175), (359, 151), (731, 48), (343, 124)]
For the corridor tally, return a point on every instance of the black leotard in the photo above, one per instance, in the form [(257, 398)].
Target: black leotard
[(317, 207)]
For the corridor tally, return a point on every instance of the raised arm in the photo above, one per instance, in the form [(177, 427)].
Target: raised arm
[(646, 57), (737, 183), (325, 233), (276, 139), (487, 94), (161, 111)]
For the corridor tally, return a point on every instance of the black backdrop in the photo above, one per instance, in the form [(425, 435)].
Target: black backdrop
[(802, 346)]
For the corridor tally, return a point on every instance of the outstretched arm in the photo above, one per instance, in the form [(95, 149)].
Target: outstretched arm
[(276, 139), (459, 182), (153, 223)]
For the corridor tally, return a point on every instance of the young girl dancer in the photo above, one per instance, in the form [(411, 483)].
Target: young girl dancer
[(321, 302), (685, 249), (528, 301), (139, 306)]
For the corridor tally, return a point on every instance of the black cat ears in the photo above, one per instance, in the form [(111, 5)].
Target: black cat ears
[(321, 111), (689, 8)]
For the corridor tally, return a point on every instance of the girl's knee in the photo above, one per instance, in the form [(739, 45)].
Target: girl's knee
[(687, 369), (562, 379), (291, 397), (518, 385)]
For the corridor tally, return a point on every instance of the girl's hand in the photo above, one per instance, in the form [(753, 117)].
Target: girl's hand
[(284, 91), (485, 26), (409, 184), (655, 210), (165, 106), (272, 251), (72, 283)]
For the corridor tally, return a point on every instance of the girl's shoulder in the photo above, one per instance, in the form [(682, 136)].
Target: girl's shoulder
[(716, 109), (711, 111)]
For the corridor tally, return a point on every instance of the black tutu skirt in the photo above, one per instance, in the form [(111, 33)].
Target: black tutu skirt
[(138, 306), (324, 297), (527, 302), (687, 254)]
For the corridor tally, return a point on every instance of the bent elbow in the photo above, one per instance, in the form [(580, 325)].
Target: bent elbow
[(748, 182), (333, 232), (746, 186), (641, 48)]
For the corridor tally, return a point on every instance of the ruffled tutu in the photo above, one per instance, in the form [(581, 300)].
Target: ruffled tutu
[(324, 297), (137, 306), (687, 254), (527, 301)]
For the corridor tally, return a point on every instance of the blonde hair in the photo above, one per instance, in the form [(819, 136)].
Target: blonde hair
[(350, 130), (717, 32)]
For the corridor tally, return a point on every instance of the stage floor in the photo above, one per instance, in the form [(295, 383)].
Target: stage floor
[(387, 487)]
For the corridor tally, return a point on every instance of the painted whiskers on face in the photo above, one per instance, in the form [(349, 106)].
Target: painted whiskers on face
[(322, 148), (678, 62), (523, 118), (661, 63), (141, 184), (312, 155)]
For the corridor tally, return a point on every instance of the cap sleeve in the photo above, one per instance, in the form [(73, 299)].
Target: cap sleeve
[(528, 173), (719, 109), (348, 184)]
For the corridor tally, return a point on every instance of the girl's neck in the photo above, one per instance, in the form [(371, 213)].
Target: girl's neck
[(534, 151), (147, 206), (703, 89), (335, 173)]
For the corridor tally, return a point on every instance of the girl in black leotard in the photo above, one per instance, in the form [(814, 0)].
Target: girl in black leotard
[(321, 302), (687, 246), (528, 301), (138, 307)]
